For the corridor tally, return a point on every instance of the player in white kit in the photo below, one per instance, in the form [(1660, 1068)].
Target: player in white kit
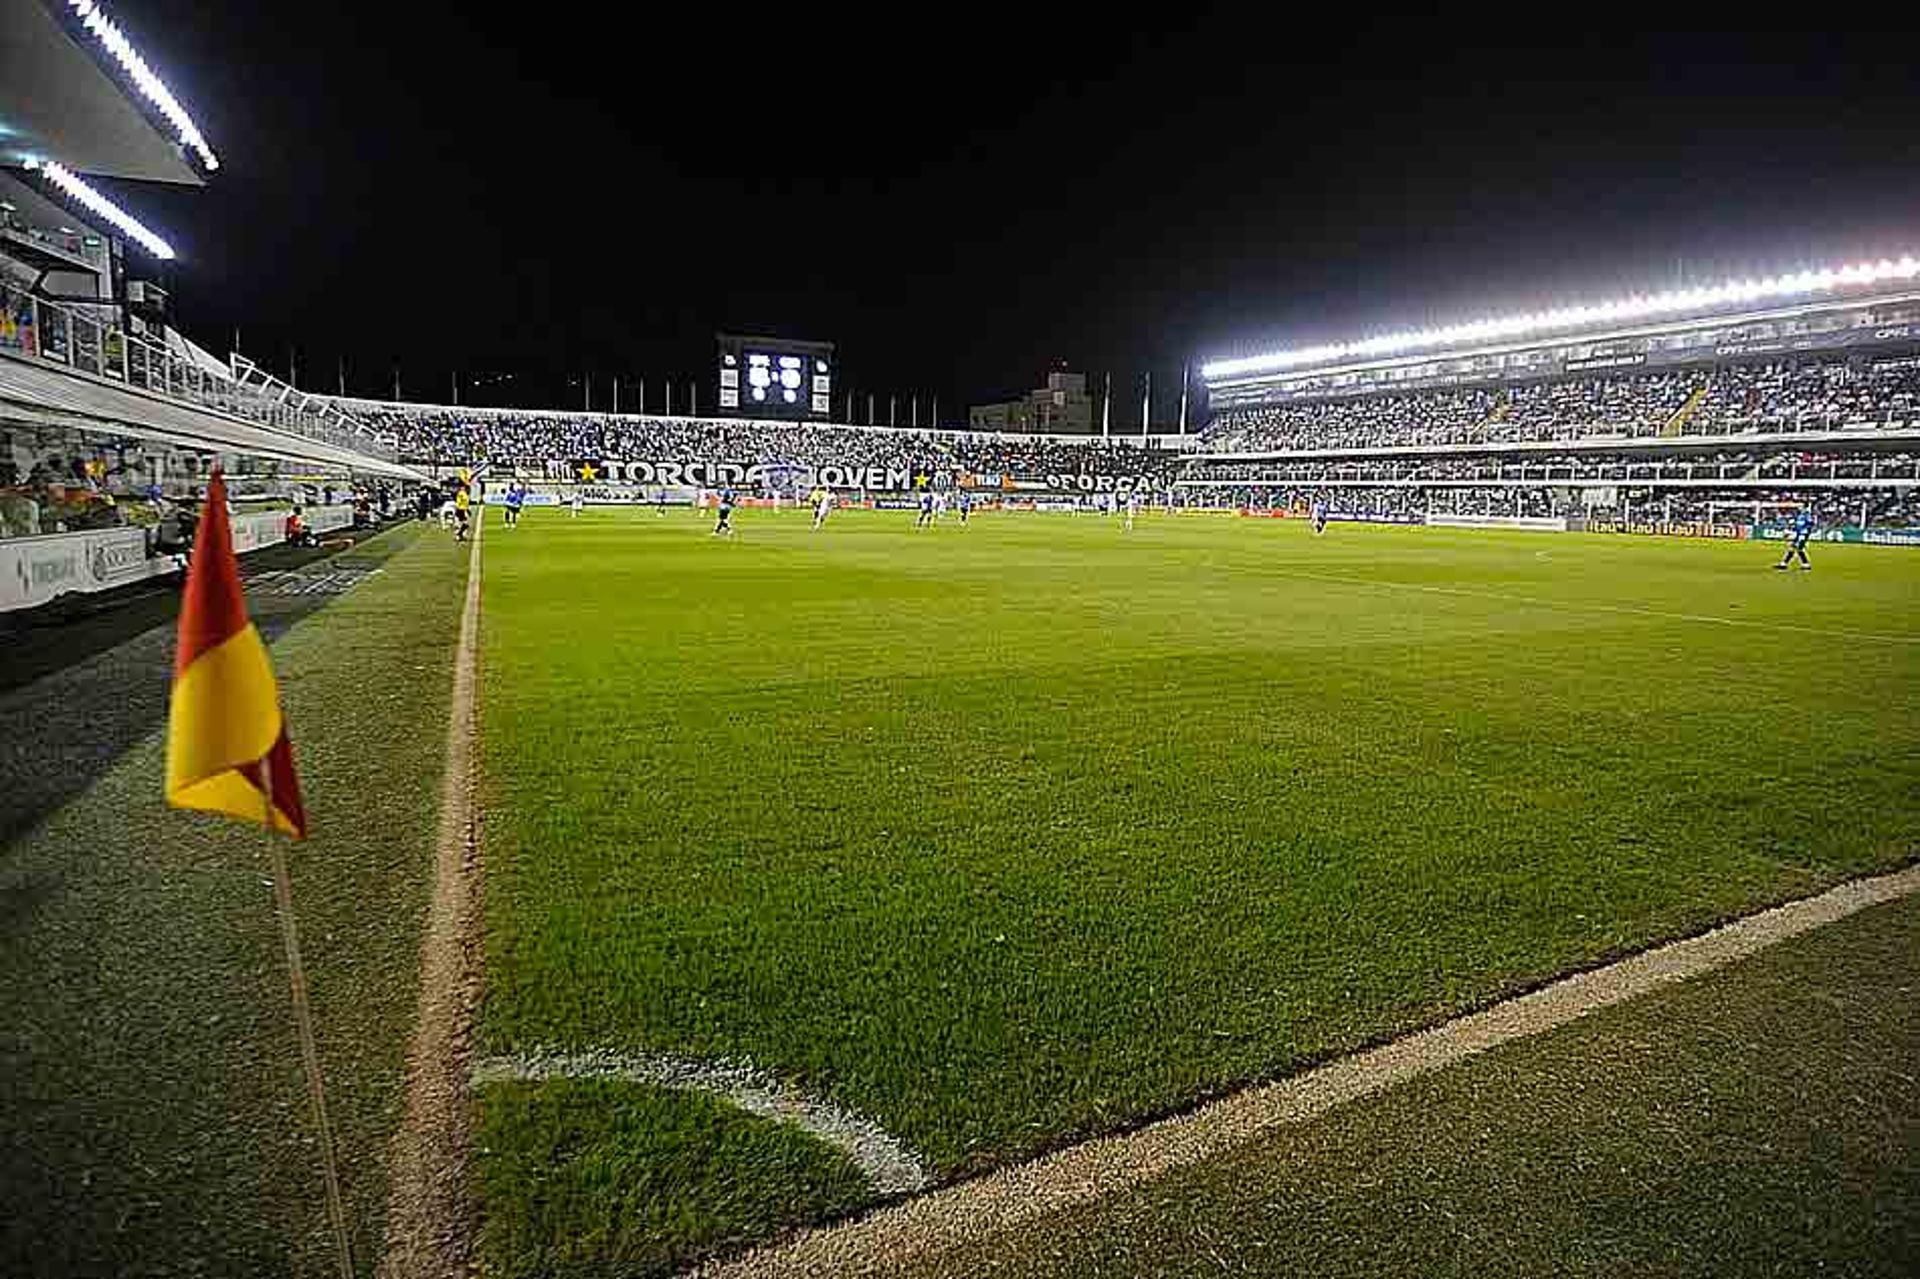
[(821, 506)]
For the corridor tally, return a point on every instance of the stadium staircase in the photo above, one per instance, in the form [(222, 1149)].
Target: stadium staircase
[(1487, 423), (1678, 422)]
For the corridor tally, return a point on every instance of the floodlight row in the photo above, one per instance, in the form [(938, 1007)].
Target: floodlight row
[(95, 19), (1636, 307), (94, 202)]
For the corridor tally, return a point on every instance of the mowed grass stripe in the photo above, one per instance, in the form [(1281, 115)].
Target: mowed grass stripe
[(1014, 834)]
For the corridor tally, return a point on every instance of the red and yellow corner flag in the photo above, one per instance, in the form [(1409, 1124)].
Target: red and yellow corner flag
[(227, 748)]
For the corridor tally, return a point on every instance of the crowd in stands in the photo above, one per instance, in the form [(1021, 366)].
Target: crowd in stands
[(1812, 396), (1730, 465), (452, 437), (59, 481), (1638, 505)]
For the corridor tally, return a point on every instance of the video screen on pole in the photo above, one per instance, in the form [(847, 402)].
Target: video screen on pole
[(773, 377)]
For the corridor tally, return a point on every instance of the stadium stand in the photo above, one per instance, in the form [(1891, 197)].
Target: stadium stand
[(111, 419), (442, 435), (1762, 412)]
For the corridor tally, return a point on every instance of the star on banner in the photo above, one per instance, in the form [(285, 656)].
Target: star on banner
[(589, 472)]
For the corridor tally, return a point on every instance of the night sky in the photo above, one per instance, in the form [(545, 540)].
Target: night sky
[(962, 198)]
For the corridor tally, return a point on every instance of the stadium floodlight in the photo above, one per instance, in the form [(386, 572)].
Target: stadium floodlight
[(95, 19), (1636, 307), (94, 202)]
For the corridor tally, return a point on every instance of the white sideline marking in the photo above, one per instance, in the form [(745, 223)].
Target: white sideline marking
[(890, 1165), (431, 1208), (974, 1211), (1571, 606)]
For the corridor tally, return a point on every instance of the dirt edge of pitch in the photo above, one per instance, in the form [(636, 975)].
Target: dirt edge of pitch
[(922, 1228), (431, 1212)]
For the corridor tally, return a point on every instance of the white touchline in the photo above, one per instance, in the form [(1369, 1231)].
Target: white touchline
[(890, 1165), (972, 1212)]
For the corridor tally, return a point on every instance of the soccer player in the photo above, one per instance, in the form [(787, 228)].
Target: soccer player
[(725, 524), (1319, 511), (515, 495), (966, 505), (461, 501), (822, 504), (579, 501), (925, 518), (1133, 507), (660, 502), (1797, 535)]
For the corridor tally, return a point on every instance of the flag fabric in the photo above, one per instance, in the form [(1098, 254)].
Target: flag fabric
[(227, 747)]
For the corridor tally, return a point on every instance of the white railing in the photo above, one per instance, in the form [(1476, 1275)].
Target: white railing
[(1900, 471), (34, 328)]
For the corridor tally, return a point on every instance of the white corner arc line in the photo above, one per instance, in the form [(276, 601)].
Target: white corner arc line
[(974, 1211), (889, 1164)]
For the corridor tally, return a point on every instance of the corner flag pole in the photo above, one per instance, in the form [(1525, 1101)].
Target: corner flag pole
[(228, 751), (309, 1053)]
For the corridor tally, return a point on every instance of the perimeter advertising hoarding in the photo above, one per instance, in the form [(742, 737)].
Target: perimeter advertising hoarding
[(1844, 533), (1681, 528)]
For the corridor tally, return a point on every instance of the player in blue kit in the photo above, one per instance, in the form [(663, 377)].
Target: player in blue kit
[(1319, 516), (725, 524), (1797, 534), (925, 518)]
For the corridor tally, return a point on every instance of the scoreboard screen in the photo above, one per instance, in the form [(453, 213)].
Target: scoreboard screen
[(775, 377)]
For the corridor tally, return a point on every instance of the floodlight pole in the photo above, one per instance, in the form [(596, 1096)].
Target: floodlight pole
[(643, 395), (453, 379), (616, 396), (1106, 407), (586, 393), (1185, 377), (869, 408), (914, 411), (669, 397), (893, 410), (935, 415), (693, 398), (1146, 405)]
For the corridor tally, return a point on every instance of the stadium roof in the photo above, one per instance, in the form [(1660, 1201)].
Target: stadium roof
[(1566, 322), (61, 397), (98, 110)]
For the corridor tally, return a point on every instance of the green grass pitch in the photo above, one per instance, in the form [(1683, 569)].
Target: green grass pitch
[(1009, 834)]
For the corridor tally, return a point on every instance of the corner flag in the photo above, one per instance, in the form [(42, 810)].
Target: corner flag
[(227, 748)]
